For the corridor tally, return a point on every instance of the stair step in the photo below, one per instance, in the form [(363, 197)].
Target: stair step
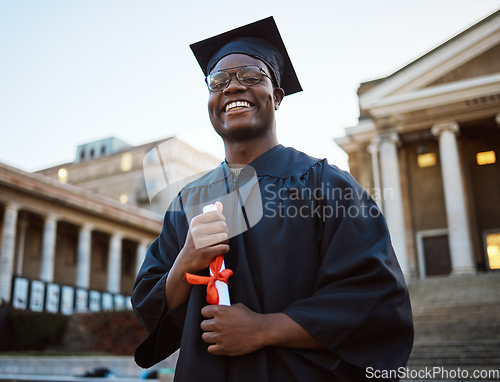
[(450, 353), (495, 363), (456, 322)]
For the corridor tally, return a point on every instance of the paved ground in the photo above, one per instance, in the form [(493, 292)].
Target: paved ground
[(52, 368), (62, 378)]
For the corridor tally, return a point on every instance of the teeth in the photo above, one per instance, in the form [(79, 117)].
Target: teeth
[(236, 105)]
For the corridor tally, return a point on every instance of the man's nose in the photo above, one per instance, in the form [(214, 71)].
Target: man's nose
[(234, 85)]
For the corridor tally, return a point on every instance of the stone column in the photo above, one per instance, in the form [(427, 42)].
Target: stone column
[(454, 195), (142, 247), (23, 224), (115, 263), (7, 250), (48, 248), (393, 200), (83, 256), (373, 149)]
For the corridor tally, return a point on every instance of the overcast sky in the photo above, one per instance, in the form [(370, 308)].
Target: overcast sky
[(76, 71)]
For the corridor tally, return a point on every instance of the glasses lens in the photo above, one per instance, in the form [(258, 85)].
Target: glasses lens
[(249, 75), (217, 81)]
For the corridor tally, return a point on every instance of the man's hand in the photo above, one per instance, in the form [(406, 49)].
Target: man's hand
[(236, 330), (232, 330), (206, 239)]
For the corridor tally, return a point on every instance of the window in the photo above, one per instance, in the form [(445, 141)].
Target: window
[(485, 157), (493, 249), (126, 162), (426, 160), (62, 175)]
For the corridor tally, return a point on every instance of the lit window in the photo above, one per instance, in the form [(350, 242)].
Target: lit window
[(426, 160), (62, 175), (493, 250), (126, 162), (485, 157), (123, 198)]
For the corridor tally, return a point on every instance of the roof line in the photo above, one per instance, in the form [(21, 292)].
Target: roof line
[(440, 46)]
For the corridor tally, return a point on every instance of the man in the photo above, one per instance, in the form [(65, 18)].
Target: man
[(317, 292)]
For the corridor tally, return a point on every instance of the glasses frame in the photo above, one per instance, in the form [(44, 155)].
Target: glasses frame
[(262, 72)]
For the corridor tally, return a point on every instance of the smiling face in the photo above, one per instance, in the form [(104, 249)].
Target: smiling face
[(240, 112)]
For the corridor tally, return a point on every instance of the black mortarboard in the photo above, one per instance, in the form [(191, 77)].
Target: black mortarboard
[(261, 40)]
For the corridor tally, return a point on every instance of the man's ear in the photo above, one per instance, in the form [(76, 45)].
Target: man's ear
[(278, 93)]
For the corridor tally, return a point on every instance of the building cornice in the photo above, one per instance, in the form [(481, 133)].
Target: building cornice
[(79, 198), (357, 136), (438, 95)]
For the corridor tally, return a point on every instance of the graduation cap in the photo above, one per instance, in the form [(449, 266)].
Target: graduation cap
[(261, 40)]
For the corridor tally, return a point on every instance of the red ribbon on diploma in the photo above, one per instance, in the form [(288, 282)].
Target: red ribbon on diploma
[(209, 281)]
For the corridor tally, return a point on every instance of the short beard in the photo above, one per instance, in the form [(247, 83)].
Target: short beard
[(243, 135)]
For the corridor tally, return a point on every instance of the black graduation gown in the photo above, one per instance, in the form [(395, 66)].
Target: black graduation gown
[(313, 245)]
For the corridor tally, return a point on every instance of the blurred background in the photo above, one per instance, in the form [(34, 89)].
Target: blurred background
[(103, 105)]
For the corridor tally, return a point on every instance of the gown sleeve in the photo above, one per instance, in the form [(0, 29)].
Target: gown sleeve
[(148, 297), (360, 308)]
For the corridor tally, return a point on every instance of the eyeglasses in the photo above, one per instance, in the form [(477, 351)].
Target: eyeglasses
[(246, 75)]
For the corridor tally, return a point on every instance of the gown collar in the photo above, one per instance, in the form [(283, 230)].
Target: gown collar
[(262, 165), (278, 162)]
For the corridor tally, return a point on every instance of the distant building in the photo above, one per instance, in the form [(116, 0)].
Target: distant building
[(73, 236), (137, 175), (100, 148), (427, 147), (64, 248)]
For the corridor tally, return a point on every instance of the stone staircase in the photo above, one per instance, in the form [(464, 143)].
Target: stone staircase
[(457, 324)]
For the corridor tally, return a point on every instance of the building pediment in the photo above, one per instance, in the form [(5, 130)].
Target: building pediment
[(465, 66), (483, 65)]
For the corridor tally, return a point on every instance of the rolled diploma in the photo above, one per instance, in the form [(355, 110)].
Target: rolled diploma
[(222, 288)]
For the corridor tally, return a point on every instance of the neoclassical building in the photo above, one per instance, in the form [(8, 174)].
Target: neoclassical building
[(72, 237), (65, 248), (427, 146)]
